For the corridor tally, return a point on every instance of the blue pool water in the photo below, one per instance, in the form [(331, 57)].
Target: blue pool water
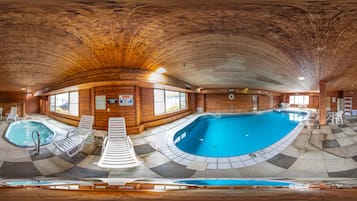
[(235, 135), (237, 182), (20, 133)]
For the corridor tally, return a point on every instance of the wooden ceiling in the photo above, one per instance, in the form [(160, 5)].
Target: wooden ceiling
[(209, 44)]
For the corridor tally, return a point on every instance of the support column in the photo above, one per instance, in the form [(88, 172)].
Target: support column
[(322, 103)]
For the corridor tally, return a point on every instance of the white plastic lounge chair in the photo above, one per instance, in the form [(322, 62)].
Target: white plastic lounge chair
[(339, 117), (117, 150), (330, 116), (74, 141), (13, 114)]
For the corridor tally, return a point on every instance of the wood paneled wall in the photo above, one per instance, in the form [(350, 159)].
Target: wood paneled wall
[(129, 76), (241, 103), (85, 103), (137, 117), (221, 103), (25, 104), (113, 109), (277, 101), (201, 101), (330, 103), (263, 102), (32, 105), (314, 101)]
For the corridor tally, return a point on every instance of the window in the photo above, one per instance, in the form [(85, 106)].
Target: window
[(159, 100), (73, 103), (65, 103), (52, 103), (168, 101), (62, 103), (183, 101), (172, 101), (299, 100)]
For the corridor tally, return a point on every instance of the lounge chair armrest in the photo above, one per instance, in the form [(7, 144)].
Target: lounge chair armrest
[(71, 131), (104, 144), (129, 141)]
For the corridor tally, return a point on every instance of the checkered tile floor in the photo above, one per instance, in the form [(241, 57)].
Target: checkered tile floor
[(327, 152)]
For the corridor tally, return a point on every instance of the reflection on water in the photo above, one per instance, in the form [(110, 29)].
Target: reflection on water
[(296, 117)]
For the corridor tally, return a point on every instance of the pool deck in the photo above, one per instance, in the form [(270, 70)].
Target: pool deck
[(326, 153)]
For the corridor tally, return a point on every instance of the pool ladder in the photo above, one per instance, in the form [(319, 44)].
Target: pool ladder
[(38, 143)]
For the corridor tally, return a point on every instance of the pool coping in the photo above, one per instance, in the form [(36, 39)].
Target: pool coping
[(25, 146), (202, 163)]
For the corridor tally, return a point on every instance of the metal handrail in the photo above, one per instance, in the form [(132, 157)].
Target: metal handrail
[(37, 145)]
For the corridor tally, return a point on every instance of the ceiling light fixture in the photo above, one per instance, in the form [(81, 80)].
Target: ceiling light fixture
[(161, 70), (301, 78), (23, 89)]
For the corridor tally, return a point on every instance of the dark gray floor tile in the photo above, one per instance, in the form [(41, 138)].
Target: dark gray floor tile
[(173, 170), (354, 158), (97, 151), (18, 170), (75, 159), (347, 173), (282, 161), (143, 149), (336, 130), (330, 144), (44, 153), (353, 120), (79, 172), (343, 126)]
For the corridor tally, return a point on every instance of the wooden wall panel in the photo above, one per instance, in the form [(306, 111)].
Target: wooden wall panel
[(147, 104), (114, 110), (138, 105), (314, 102), (32, 105), (333, 105), (201, 101), (277, 100), (138, 117), (26, 104), (263, 102), (221, 103), (192, 102), (85, 102)]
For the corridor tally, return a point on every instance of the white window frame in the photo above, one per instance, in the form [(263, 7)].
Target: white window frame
[(180, 105), (52, 100), (295, 100)]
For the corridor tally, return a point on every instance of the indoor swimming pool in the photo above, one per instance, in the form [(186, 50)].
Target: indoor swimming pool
[(234, 135), (20, 133)]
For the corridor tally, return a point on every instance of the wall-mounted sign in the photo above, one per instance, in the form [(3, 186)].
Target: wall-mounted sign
[(126, 100), (334, 99), (112, 100), (100, 102)]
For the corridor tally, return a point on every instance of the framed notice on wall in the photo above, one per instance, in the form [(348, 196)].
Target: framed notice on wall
[(334, 99), (126, 100), (100, 102)]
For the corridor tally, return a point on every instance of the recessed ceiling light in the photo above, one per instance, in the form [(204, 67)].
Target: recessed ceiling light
[(23, 89), (301, 78), (161, 70)]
